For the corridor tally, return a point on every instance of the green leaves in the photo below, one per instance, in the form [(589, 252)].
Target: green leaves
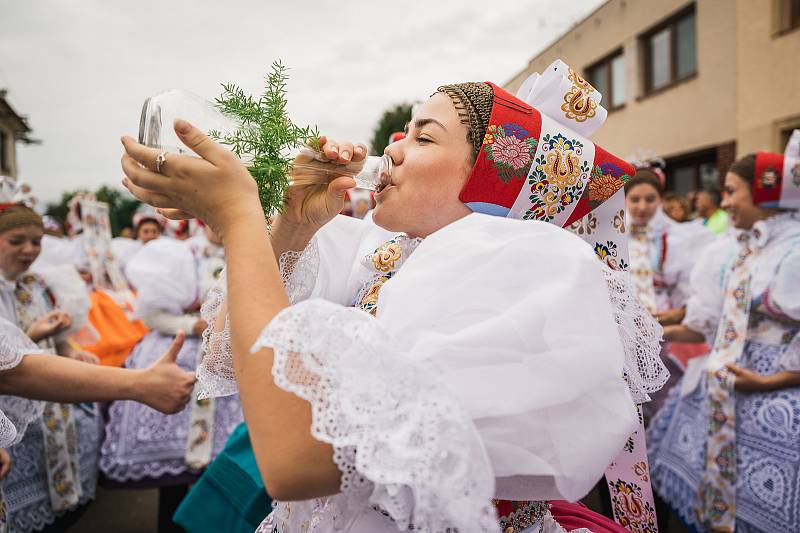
[(266, 136)]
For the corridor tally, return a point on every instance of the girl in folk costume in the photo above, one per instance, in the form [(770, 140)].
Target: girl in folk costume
[(56, 462), (662, 254), (27, 373), (111, 313), (480, 372), (725, 450), (146, 448)]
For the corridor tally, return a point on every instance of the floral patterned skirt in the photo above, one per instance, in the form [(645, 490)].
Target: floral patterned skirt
[(26, 491), (144, 447), (767, 450)]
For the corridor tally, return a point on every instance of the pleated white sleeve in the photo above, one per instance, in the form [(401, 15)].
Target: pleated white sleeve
[(15, 412), (706, 293)]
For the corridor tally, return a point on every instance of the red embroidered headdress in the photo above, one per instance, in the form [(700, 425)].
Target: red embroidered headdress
[(776, 182), (535, 161)]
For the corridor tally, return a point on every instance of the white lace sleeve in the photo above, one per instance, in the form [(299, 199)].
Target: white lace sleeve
[(299, 271), (403, 442), (640, 334), (15, 412), (215, 375)]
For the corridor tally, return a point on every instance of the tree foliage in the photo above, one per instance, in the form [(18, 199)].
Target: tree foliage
[(392, 121), (266, 136)]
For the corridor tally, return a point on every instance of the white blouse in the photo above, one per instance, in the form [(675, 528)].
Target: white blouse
[(775, 278), (15, 412), (493, 369)]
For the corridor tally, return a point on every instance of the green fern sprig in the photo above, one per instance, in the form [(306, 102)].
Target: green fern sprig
[(266, 135)]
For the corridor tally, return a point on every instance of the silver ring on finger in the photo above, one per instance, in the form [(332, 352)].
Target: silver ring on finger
[(161, 160)]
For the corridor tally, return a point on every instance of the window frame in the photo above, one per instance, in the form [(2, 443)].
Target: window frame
[(645, 38), (5, 166), (607, 60), (790, 8)]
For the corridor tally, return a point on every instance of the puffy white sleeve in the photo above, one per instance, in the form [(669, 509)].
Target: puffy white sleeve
[(685, 242), (70, 293), (493, 369), (327, 268), (706, 292), (15, 412), (783, 298)]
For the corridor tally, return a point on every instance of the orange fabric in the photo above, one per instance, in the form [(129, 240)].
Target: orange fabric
[(118, 334)]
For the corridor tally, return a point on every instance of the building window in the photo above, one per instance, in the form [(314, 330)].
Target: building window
[(608, 77), (787, 15), (692, 172), (670, 51), (4, 163)]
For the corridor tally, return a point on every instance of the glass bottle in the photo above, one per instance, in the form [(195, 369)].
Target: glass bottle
[(160, 111)]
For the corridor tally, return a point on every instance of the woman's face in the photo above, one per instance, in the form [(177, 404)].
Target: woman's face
[(737, 200), (148, 230), (642, 202), (19, 248), (431, 166)]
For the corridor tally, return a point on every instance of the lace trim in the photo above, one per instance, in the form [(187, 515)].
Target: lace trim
[(299, 271), (215, 375), (401, 441), (15, 413), (773, 227), (640, 335)]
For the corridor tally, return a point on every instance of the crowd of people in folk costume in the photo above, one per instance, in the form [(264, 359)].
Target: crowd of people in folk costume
[(444, 354)]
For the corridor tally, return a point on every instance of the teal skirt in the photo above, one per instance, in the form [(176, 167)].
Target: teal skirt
[(230, 495)]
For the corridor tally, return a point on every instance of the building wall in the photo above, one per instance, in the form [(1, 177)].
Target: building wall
[(768, 78), (9, 151), (745, 90)]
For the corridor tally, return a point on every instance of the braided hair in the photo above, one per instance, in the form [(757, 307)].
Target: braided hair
[(473, 102)]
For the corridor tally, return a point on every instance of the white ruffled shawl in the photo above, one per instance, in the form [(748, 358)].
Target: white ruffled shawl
[(494, 368)]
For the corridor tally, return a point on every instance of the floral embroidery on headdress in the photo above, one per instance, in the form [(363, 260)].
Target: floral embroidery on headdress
[(578, 105), (607, 179), (510, 147), (558, 177)]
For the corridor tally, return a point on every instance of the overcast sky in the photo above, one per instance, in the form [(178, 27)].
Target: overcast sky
[(80, 70)]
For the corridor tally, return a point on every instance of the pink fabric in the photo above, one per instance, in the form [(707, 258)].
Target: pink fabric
[(576, 515), (683, 351)]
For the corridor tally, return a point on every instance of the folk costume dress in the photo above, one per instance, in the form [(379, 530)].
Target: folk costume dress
[(663, 254), (727, 460), (16, 413), (55, 463), (145, 447), (466, 378)]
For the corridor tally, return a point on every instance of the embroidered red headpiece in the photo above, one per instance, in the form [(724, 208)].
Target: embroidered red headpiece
[(776, 182), (533, 167)]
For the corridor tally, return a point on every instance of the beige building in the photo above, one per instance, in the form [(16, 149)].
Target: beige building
[(697, 83), (13, 128)]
